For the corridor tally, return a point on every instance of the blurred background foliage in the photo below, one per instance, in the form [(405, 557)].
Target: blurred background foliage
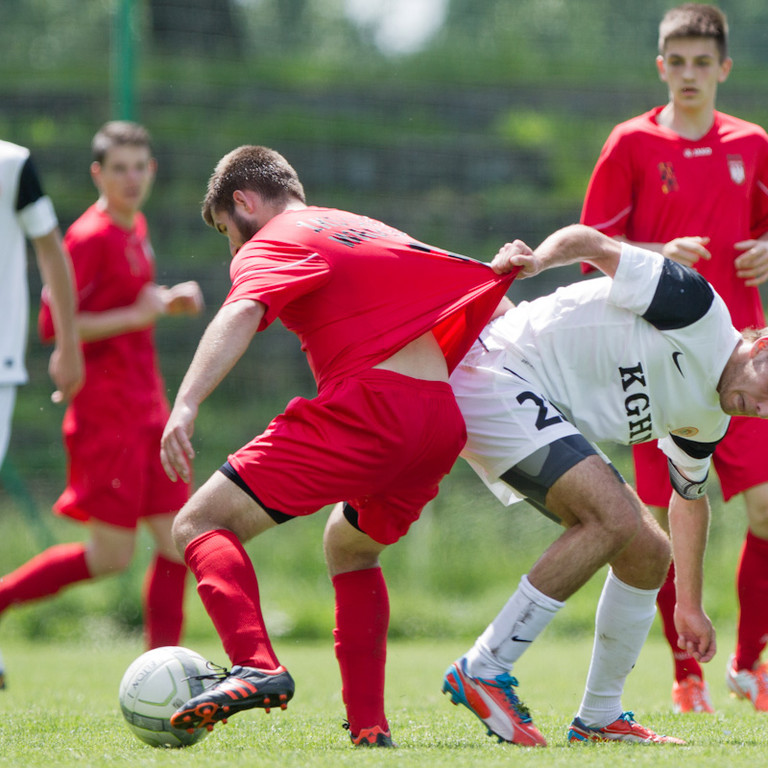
[(465, 122)]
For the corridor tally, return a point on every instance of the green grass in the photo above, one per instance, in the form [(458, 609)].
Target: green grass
[(60, 709)]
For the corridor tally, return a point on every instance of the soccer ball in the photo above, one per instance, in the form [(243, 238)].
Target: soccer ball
[(155, 686)]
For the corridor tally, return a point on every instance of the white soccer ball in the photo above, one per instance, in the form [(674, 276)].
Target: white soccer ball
[(155, 686)]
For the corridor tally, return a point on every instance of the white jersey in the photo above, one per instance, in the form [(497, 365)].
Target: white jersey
[(24, 212), (629, 359)]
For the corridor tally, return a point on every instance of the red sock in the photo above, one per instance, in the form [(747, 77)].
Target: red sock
[(164, 602), (685, 664), (44, 575), (362, 620), (229, 590), (752, 589)]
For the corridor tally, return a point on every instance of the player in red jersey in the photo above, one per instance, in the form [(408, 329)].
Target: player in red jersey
[(383, 319), (113, 425), (692, 183)]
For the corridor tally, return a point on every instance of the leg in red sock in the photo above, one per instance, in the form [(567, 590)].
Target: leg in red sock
[(689, 691), (362, 620), (44, 575), (227, 585), (752, 588), (164, 602)]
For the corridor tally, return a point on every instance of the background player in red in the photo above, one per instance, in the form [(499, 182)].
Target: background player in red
[(382, 319), (692, 183), (113, 425)]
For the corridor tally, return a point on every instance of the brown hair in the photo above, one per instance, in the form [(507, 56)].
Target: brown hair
[(258, 169), (695, 20), (119, 133)]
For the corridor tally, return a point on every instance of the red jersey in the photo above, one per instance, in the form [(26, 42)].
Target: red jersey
[(355, 290), (651, 185), (111, 266)]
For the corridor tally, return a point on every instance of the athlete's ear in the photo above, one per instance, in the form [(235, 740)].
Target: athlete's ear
[(758, 346), (241, 199)]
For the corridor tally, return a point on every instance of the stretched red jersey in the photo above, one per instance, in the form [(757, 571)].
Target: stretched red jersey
[(651, 185), (356, 290)]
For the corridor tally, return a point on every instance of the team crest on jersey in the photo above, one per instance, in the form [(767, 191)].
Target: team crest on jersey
[(736, 168), (685, 431), (668, 180)]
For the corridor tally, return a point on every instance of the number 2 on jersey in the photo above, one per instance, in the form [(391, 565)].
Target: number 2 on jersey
[(543, 419)]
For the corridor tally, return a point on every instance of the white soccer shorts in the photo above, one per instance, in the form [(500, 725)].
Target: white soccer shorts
[(507, 417)]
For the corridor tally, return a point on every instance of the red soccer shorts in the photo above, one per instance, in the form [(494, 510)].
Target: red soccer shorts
[(739, 461), (114, 473), (380, 441)]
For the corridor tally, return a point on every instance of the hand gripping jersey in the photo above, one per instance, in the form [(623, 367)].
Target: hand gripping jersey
[(355, 290), (629, 359), (650, 185), (25, 211)]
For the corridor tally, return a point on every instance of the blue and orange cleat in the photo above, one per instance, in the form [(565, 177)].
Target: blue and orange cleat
[(622, 729), (495, 702)]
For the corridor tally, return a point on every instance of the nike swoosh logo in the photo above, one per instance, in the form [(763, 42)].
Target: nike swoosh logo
[(675, 356), (516, 639)]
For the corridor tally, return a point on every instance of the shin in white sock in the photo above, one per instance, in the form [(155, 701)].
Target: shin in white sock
[(623, 620), (507, 637)]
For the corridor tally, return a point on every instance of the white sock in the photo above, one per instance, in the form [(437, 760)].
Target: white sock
[(518, 624), (623, 620)]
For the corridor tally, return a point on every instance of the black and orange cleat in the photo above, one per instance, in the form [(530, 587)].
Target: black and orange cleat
[(238, 689)]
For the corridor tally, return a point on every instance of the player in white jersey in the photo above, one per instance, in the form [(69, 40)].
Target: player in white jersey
[(27, 212), (647, 352)]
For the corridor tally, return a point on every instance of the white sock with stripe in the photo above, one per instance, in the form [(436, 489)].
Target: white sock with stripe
[(507, 637)]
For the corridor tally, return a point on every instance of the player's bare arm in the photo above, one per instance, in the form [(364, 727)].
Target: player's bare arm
[(222, 345), (568, 245), (689, 527), (752, 264), (152, 302), (65, 367)]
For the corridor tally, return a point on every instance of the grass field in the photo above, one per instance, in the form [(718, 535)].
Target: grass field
[(60, 709), (66, 656)]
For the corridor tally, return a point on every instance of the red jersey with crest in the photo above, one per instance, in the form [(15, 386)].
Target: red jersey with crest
[(650, 185), (356, 290), (111, 266)]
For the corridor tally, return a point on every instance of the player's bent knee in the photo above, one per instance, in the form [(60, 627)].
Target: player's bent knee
[(184, 529), (644, 563), (659, 555)]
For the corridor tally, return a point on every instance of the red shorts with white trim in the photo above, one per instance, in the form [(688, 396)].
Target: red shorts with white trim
[(380, 441), (114, 474), (739, 460)]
